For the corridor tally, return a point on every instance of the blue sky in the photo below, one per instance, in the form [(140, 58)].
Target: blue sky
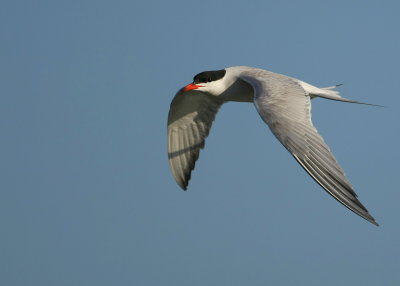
[(87, 197)]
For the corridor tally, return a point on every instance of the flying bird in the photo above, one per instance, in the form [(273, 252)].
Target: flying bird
[(283, 102)]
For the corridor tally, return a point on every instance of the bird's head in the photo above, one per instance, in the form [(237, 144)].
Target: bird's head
[(211, 82)]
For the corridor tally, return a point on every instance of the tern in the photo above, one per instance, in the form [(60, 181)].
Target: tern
[(283, 102)]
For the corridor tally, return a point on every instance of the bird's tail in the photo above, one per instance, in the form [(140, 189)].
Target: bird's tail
[(330, 93)]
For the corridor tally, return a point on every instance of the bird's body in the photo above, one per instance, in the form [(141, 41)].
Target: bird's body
[(283, 102)]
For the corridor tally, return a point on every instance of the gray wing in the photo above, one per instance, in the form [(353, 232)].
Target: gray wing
[(284, 105), (189, 121)]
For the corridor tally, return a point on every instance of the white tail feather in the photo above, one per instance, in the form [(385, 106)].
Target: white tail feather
[(329, 93)]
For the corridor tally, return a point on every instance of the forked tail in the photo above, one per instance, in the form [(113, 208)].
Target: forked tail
[(330, 93)]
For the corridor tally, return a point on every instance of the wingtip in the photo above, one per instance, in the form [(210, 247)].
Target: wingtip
[(183, 185), (374, 222), (369, 218)]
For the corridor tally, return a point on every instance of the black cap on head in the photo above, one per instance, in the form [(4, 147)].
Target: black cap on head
[(208, 76)]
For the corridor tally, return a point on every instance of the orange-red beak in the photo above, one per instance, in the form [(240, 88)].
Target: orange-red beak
[(191, 86)]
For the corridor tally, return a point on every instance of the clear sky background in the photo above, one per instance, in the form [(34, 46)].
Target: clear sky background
[(86, 194)]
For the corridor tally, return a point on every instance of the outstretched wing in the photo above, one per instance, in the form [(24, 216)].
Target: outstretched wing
[(284, 105), (189, 121)]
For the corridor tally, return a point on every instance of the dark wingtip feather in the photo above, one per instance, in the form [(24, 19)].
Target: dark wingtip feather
[(372, 220), (183, 184)]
